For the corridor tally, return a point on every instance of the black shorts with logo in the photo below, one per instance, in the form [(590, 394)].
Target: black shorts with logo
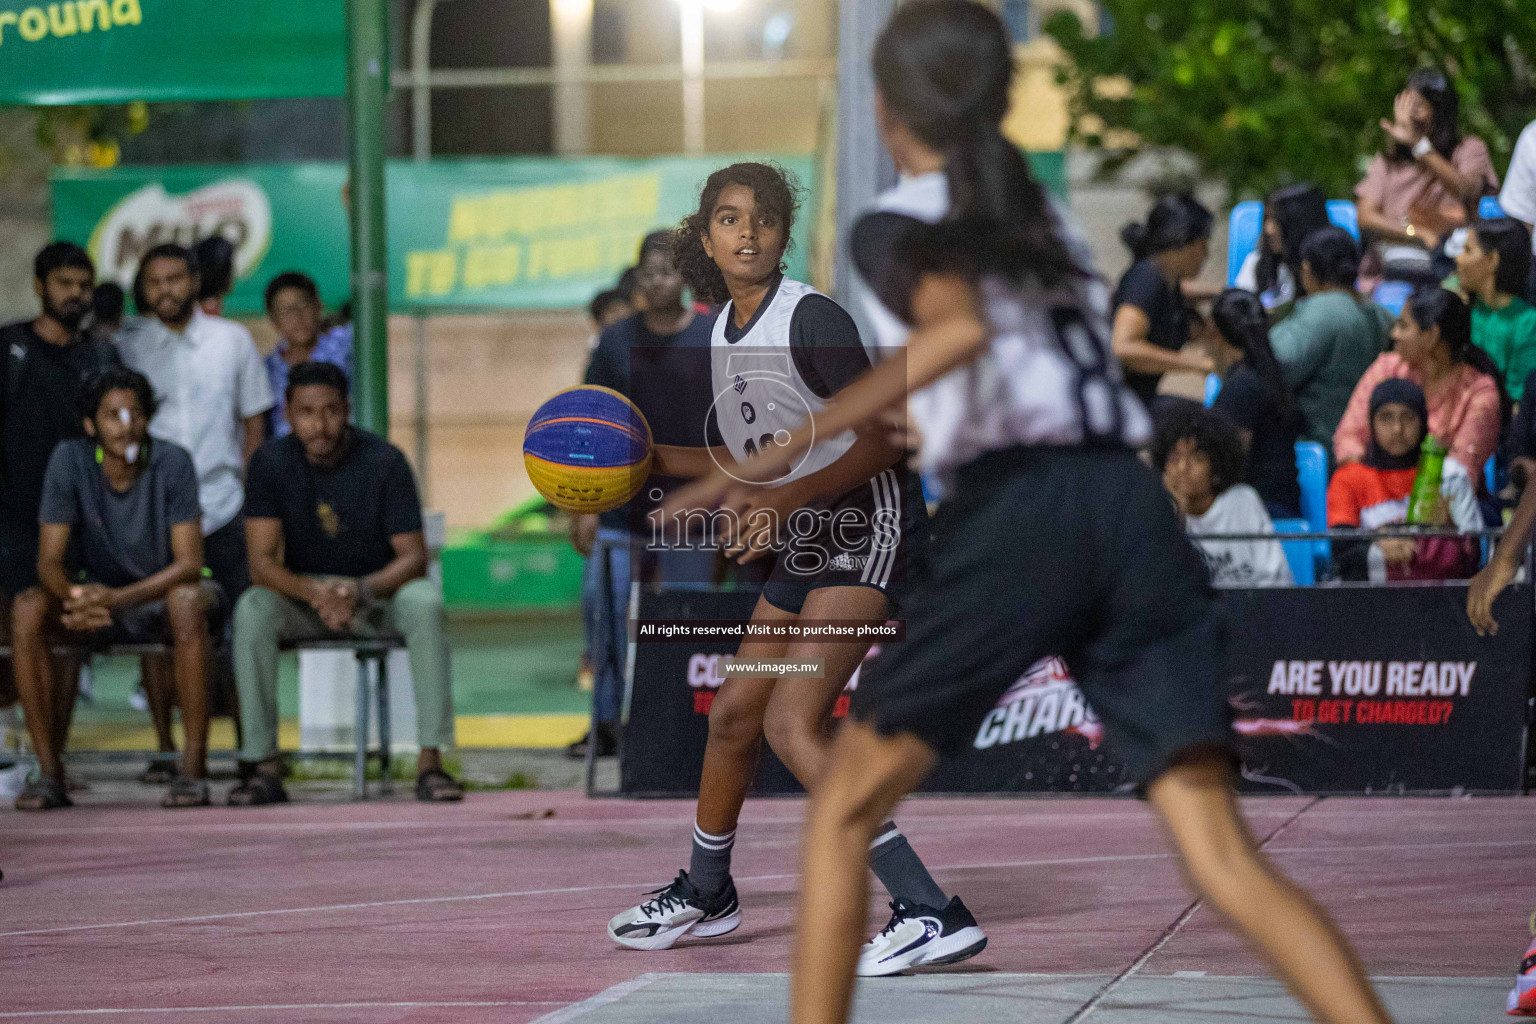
[(1072, 552), (865, 538)]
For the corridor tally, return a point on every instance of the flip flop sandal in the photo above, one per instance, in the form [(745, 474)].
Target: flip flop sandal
[(43, 795), (258, 791), (185, 792), (161, 772), (438, 787)]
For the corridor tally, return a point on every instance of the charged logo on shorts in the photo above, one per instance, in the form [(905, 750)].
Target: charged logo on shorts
[(1044, 701)]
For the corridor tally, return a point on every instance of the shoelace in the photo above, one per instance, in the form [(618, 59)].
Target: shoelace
[(899, 913), (667, 898)]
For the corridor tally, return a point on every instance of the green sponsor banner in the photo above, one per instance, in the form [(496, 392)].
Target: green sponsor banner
[(117, 51), (514, 233)]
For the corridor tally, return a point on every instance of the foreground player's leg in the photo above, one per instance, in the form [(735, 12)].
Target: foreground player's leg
[(1303, 947), (927, 928), (702, 900), (867, 775)]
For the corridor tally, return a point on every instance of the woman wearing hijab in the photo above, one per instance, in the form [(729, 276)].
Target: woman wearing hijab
[(1373, 492)]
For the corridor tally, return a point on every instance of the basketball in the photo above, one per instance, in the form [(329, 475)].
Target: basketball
[(588, 449)]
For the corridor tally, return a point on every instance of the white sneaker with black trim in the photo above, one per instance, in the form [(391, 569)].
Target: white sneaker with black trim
[(674, 911), (920, 936)]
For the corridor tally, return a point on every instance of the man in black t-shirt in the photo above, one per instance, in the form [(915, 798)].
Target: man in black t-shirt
[(45, 364), (333, 527), (658, 359)]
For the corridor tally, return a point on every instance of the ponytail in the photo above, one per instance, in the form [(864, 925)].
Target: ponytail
[(1176, 220), (1241, 319), (945, 68)]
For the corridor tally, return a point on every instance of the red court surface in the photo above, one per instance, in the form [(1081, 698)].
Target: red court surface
[(490, 911)]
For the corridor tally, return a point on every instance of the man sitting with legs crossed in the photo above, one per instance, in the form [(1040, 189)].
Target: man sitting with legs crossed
[(333, 527)]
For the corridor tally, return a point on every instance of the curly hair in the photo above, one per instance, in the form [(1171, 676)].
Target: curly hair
[(1214, 437), (775, 189), (118, 378)]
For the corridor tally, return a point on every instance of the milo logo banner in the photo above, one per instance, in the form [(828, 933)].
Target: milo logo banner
[(1333, 690), (532, 232)]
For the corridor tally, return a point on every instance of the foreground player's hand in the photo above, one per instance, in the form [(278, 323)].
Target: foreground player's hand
[(761, 514), (1485, 589)]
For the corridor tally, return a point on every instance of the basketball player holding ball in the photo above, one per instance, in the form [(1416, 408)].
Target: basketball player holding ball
[(1053, 538), (779, 352)]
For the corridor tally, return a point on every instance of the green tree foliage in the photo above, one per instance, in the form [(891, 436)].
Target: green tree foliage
[(1265, 92)]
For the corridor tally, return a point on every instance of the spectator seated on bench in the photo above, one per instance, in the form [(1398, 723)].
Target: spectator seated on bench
[(1373, 492), (333, 526), (120, 560)]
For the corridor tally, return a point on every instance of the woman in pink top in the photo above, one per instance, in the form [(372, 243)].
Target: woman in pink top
[(1432, 346), (1427, 179)]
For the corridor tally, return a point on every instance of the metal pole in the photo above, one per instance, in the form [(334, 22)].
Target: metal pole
[(421, 88), (691, 16), (423, 481), (864, 169), (570, 29), (367, 86)]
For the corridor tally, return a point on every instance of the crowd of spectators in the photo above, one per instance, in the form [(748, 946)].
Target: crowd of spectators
[(152, 467), (1305, 351)]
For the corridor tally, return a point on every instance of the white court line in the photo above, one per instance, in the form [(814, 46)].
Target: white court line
[(989, 820), (603, 998), (992, 865), (98, 1011)]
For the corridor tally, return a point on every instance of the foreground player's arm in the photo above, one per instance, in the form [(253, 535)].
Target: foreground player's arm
[(949, 332), (1501, 568), (688, 463)]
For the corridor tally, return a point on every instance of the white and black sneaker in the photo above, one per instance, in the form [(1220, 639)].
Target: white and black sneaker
[(674, 911), (920, 936)]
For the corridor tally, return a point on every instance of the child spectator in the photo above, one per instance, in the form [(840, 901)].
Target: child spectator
[(1432, 346), (1201, 458), (1151, 321), (1273, 270), (120, 561), (1254, 398), (1331, 336), (1373, 492), (1493, 268)]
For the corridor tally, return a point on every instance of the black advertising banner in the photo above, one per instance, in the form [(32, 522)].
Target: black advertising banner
[(1333, 690)]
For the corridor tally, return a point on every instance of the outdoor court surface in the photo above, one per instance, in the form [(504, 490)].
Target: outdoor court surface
[(493, 910)]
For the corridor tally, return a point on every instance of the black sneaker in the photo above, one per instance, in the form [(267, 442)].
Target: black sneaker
[(607, 744), (920, 936), (674, 911)]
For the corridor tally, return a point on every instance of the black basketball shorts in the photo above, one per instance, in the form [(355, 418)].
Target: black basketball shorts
[(1072, 552)]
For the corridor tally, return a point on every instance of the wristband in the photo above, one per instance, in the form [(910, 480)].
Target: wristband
[(1423, 148)]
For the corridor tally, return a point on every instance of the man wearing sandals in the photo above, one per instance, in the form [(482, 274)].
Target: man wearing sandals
[(120, 560), (333, 527)]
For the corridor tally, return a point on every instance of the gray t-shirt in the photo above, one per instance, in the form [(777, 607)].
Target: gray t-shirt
[(118, 539)]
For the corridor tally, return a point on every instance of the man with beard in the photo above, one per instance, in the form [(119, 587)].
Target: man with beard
[(45, 364), (213, 393), (334, 525)]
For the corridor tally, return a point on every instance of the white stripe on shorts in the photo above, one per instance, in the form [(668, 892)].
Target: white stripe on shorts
[(877, 569)]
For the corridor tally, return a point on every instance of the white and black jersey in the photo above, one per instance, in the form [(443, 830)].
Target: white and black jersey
[(1053, 538), (770, 376), (1048, 376), (776, 372)]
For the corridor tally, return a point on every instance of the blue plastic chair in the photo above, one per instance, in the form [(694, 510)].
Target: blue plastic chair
[(1312, 475), (1392, 296), (1488, 208), (1212, 389), (1247, 223), (1298, 553)]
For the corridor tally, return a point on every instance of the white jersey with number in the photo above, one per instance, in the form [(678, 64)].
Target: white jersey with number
[(1047, 376), (760, 396)]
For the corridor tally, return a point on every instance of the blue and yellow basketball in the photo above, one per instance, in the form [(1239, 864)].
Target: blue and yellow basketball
[(588, 449)]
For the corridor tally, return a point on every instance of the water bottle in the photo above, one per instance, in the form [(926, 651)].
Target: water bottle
[(1427, 484)]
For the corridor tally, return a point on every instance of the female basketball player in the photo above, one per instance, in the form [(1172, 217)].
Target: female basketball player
[(780, 351), (1052, 537)]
